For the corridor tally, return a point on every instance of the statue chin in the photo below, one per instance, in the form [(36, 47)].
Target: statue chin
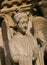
[(23, 32)]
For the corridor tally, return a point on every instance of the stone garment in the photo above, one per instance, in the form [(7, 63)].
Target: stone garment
[(23, 46)]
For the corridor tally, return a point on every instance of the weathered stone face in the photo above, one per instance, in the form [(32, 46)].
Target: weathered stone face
[(21, 19), (23, 24)]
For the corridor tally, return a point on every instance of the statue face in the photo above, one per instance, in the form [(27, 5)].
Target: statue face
[(23, 24)]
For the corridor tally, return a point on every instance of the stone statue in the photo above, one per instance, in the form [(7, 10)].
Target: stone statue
[(22, 46)]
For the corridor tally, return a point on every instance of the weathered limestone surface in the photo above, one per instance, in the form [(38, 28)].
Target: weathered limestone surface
[(23, 48), (2, 57), (40, 29), (40, 32), (22, 45), (1, 41)]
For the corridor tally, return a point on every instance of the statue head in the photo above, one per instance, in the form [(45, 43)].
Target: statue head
[(22, 21)]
